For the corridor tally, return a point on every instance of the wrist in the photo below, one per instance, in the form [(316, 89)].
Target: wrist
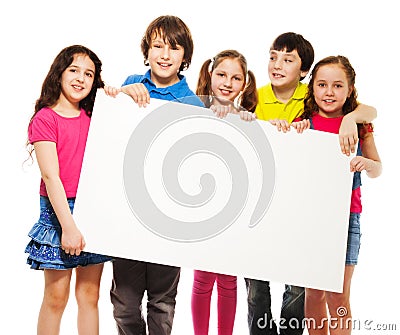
[(350, 117)]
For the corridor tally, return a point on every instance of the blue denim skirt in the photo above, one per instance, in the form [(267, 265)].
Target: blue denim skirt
[(353, 239), (45, 250)]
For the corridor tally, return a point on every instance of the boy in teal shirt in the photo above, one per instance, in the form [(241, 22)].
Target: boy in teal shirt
[(167, 48)]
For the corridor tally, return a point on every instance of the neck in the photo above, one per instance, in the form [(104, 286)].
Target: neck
[(66, 108), (284, 94), (164, 82)]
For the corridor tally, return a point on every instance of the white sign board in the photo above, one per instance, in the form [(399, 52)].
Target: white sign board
[(173, 184)]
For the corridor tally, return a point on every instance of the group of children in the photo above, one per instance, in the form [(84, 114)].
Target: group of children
[(57, 133)]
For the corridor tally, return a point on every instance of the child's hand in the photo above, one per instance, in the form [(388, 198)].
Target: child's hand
[(300, 126), (359, 163), (247, 116), (72, 241), (281, 125), (138, 92), (111, 91), (221, 111), (348, 135)]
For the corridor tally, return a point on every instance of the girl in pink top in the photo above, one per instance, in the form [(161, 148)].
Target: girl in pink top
[(226, 86), (331, 95), (58, 131)]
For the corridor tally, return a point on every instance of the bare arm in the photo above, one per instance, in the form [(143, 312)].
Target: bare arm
[(348, 136), (72, 240), (370, 161)]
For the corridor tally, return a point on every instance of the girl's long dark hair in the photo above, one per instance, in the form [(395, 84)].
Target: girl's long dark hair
[(51, 87)]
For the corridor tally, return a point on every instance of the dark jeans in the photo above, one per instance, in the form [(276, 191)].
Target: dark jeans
[(260, 318), (130, 280)]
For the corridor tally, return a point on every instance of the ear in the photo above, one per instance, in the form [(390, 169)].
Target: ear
[(303, 74), (351, 89)]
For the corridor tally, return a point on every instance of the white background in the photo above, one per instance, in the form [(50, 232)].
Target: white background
[(33, 32)]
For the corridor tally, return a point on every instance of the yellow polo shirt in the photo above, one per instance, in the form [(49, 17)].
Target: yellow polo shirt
[(269, 107)]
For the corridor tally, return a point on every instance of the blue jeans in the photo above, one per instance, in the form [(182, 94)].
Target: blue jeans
[(259, 316)]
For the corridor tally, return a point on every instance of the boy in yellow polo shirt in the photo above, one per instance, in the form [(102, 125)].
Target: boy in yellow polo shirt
[(280, 102)]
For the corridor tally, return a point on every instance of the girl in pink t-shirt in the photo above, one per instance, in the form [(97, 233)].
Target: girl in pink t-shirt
[(331, 95), (226, 86), (58, 131)]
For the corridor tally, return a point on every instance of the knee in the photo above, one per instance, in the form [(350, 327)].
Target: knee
[(203, 283), (338, 304), (227, 285), (87, 295), (258, 292), (315, 296), (56, 300)]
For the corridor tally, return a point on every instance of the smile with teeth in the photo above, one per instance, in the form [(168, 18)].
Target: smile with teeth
[(77, 87), (225, 92), (164, 64)]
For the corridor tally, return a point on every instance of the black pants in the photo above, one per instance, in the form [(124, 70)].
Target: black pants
[(260, 318), (130, 280)]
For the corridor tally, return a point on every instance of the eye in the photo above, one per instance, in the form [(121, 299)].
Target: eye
[(89, 74)]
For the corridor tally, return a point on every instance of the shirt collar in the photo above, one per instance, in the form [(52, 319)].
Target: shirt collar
[(175, 90), (298, 94)]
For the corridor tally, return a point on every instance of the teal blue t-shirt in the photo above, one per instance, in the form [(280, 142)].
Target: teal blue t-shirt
[(178, 92)]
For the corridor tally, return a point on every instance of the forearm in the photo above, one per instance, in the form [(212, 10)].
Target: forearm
[(363, 114), (58, 200), (374, 168)]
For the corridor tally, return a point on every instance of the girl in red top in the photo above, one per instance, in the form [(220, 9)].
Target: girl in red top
[(331, 95)]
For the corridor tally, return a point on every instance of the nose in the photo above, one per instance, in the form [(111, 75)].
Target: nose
[(80, 76), (165, 52), (228, 82), (329, 90), (278, 64)]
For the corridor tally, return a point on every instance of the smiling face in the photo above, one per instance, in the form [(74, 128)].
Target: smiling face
[(164, 61), (284, 69), (227, 79), (331, 89), (77, 80)]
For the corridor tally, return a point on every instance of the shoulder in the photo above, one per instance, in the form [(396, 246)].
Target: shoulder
[(45, 115), (300, 91), (133, 79), (265, 89)]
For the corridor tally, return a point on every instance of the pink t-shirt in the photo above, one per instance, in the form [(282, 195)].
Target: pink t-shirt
[(70, 135), (332, 125)]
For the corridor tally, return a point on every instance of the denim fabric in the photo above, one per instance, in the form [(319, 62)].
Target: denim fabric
[(353, 239), (45, 250), (260, 320)]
